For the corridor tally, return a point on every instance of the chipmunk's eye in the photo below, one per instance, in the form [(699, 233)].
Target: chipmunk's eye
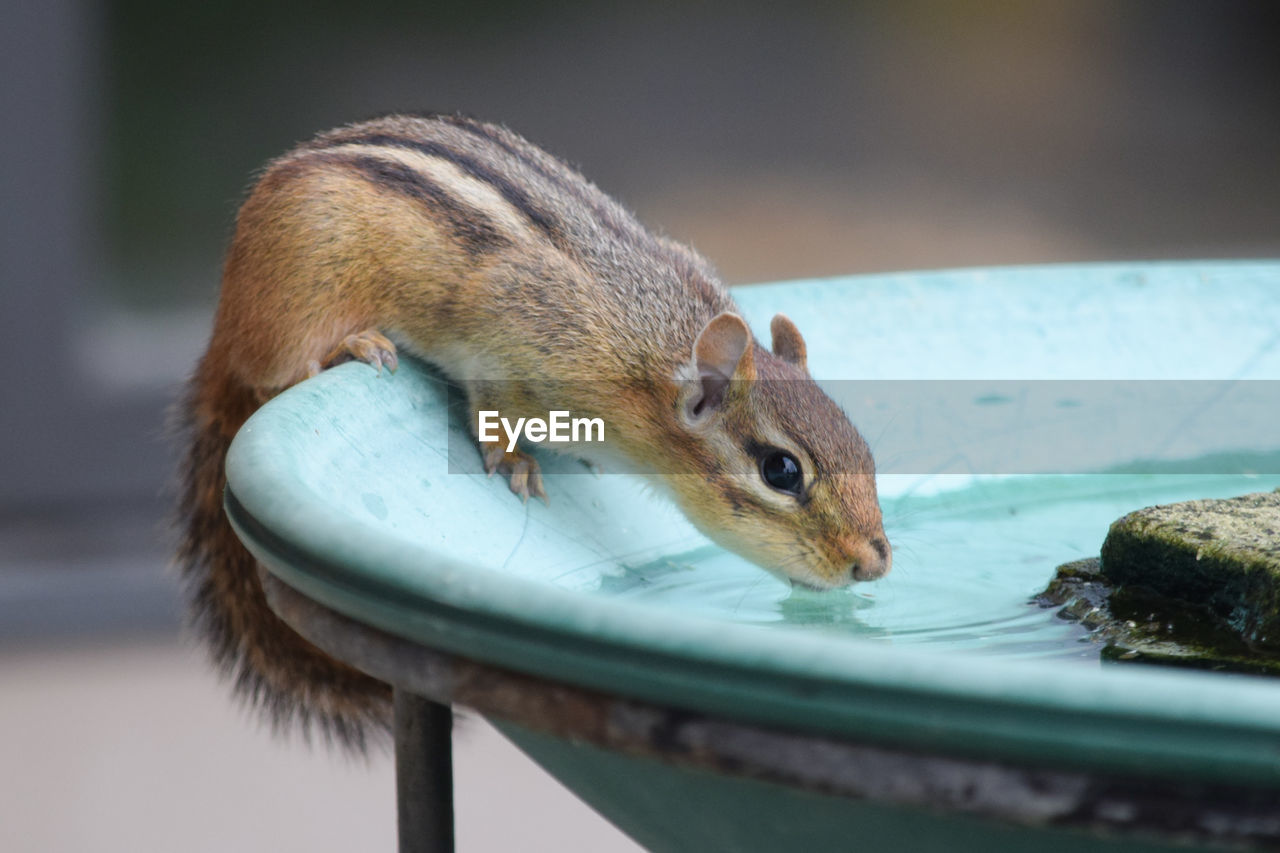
[(781, 471)]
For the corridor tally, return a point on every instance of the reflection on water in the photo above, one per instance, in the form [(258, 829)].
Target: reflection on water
[(966, 563)]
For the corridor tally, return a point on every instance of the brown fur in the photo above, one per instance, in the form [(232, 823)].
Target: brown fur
[(469, 247), (272, 667)]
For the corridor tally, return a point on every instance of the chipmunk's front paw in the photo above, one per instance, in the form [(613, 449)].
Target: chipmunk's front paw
[(369, 346), (522, 470)]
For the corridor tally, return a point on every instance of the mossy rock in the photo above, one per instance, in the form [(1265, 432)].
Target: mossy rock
[(1138, 625), (1193, 584), (1219, 557)]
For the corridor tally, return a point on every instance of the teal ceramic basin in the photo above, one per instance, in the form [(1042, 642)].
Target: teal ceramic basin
[(373, 500)]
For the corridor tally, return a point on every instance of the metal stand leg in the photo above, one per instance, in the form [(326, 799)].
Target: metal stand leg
[(424, 774)]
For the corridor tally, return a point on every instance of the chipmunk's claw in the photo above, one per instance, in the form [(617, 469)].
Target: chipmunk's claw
[(493, 456), (521, 469), (526, 480), (369, 346)]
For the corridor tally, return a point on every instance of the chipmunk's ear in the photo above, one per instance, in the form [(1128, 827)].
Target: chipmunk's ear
[(788, 344), (721, 353)]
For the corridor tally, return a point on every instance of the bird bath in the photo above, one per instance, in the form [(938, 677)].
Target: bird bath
[(700, 703)]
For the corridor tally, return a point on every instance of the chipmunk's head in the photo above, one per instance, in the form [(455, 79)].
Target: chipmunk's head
[(781, 476)]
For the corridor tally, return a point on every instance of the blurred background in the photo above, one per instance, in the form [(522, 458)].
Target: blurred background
[(782, 140)]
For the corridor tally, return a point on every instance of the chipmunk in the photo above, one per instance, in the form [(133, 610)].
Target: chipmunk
[(463, 244)]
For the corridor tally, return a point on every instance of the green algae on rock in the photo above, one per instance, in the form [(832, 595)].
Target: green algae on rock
[(1194, 584), (1136, 624), (1220, 556)]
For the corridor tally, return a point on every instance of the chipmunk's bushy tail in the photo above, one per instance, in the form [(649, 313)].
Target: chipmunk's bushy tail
[(273, 668)]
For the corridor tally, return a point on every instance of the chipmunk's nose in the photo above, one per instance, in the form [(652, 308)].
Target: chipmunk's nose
[(872, 558)]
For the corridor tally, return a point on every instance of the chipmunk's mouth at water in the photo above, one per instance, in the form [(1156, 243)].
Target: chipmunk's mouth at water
[(811, 586)]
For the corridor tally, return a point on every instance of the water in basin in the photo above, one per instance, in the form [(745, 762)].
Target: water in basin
[(967, 559)]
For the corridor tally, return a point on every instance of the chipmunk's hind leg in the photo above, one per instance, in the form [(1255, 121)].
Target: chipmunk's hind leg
[(369, 346)]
